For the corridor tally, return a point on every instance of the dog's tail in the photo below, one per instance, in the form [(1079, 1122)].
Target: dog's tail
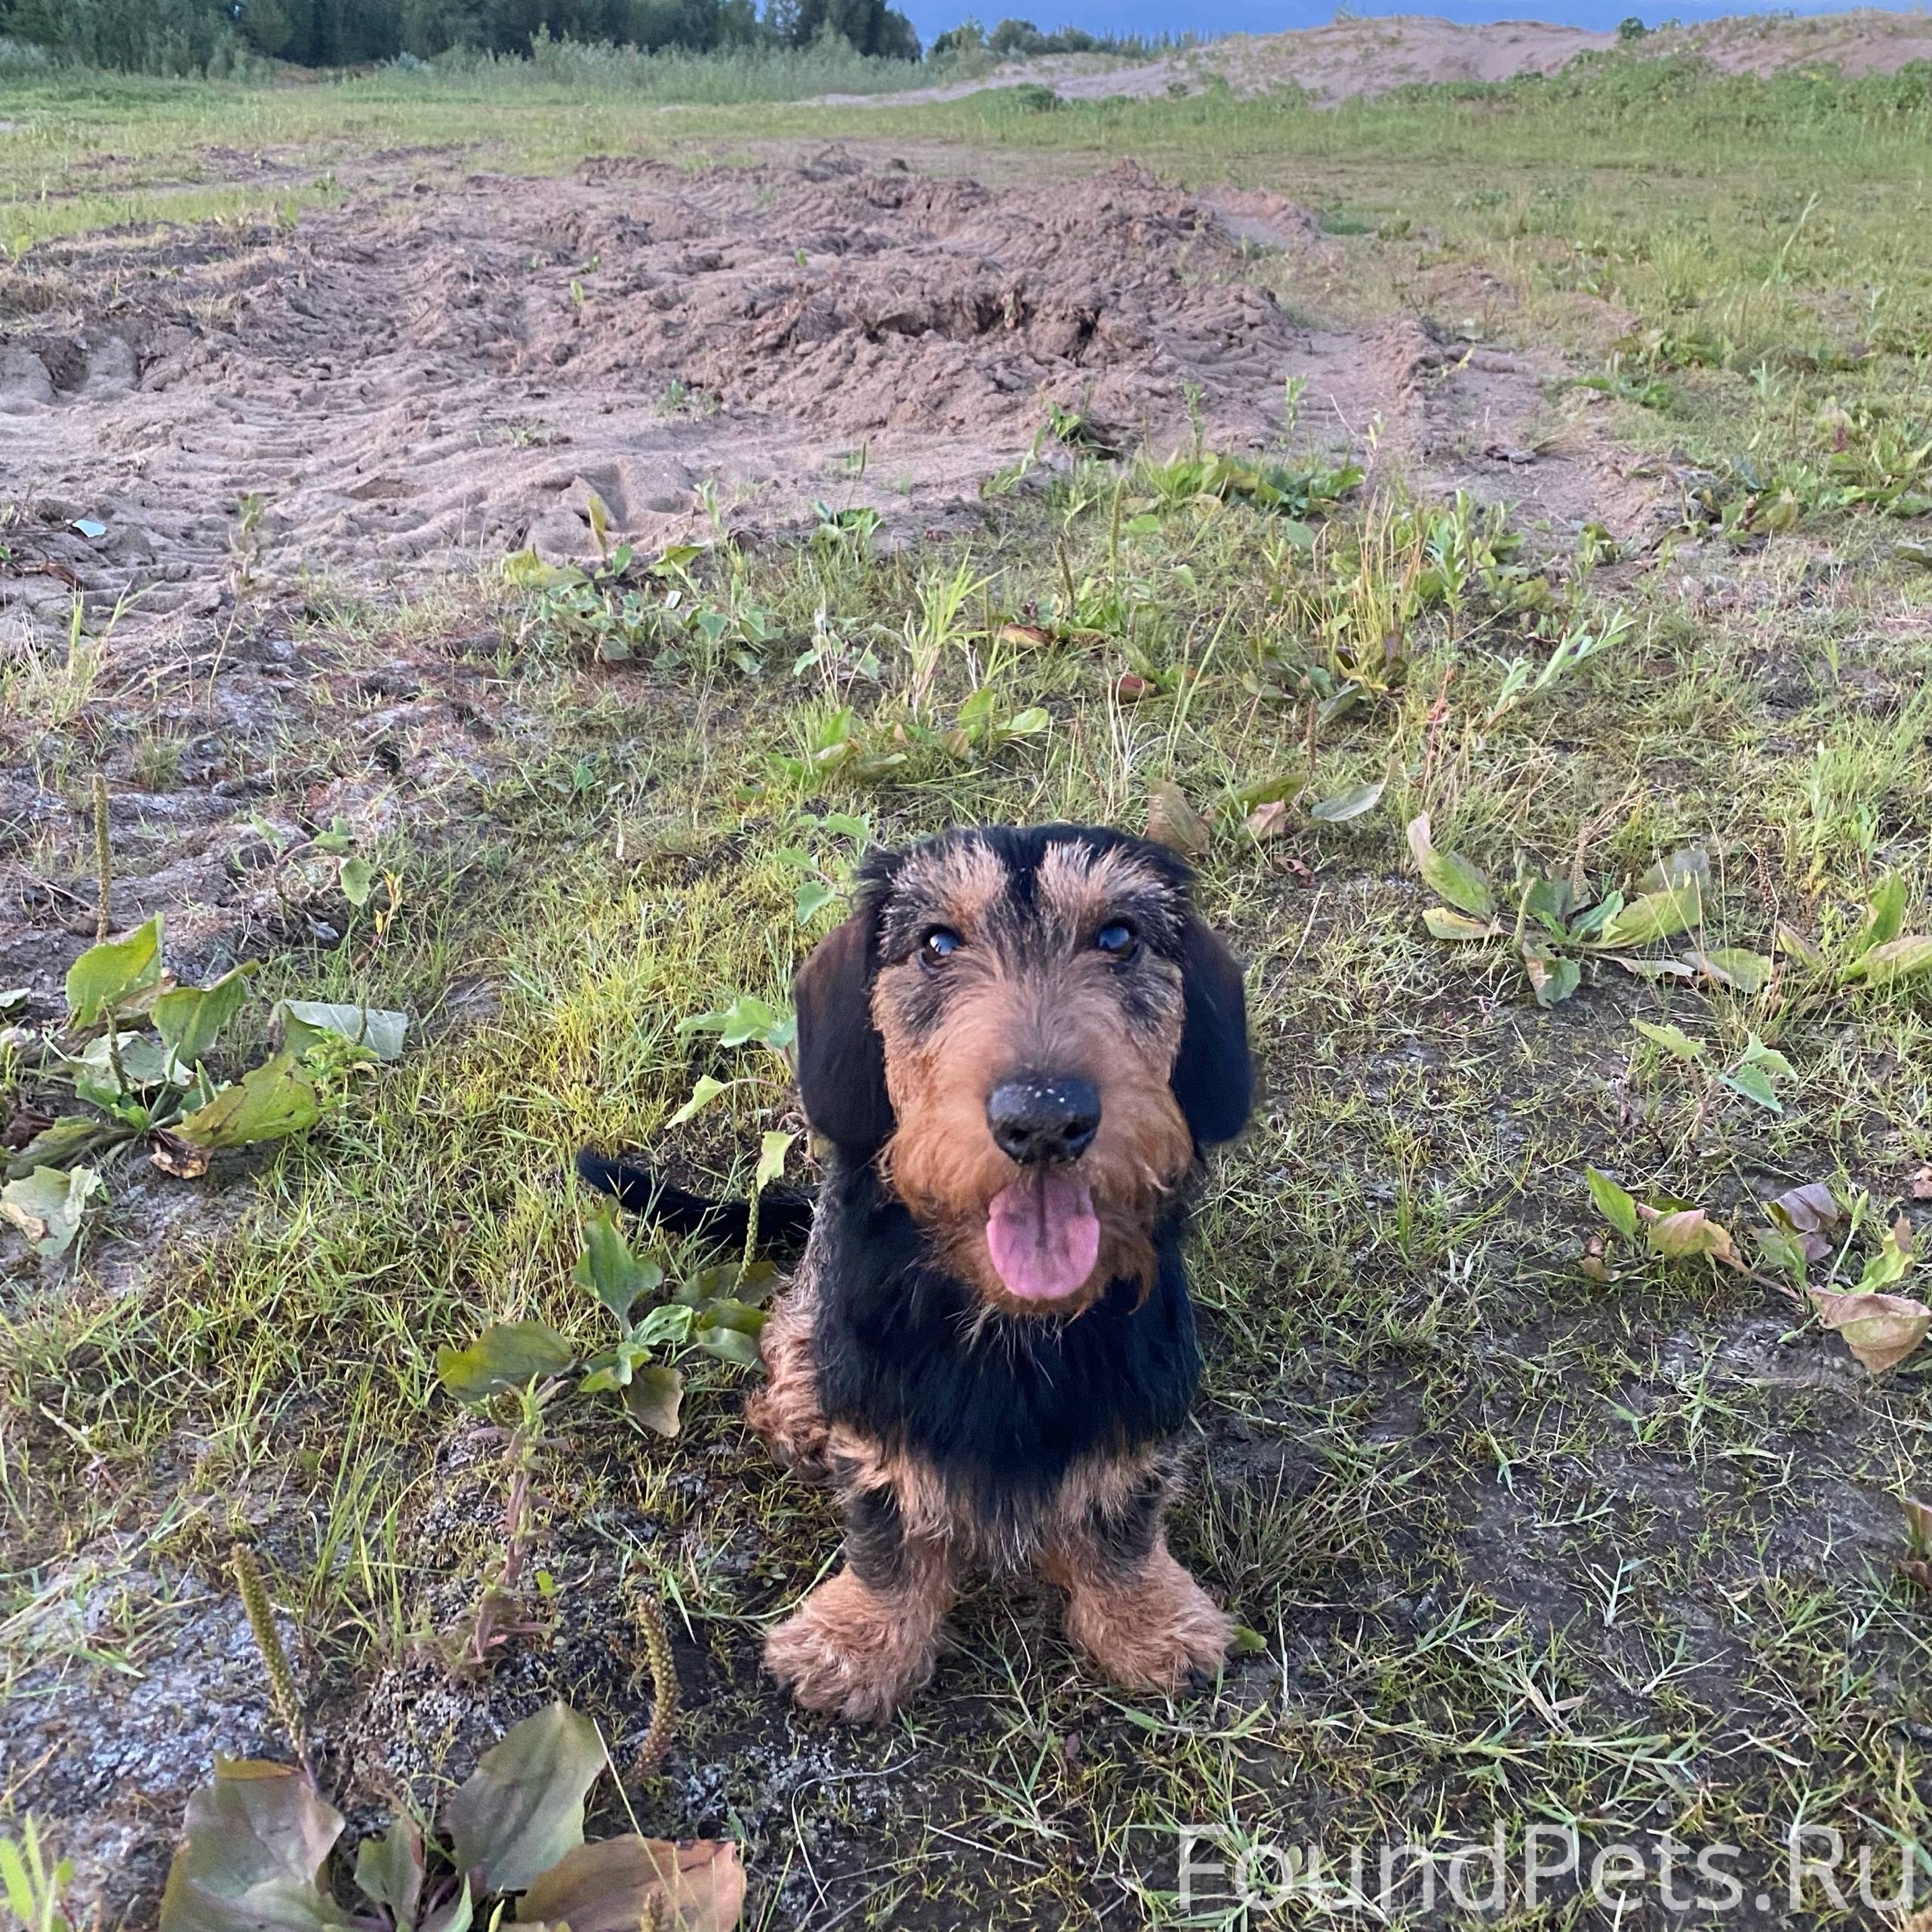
[(784, 1215)]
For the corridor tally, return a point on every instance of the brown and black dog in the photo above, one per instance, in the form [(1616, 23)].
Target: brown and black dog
[(1016, 1048)]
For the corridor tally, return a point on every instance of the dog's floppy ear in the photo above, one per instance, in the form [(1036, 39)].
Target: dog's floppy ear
[(841, 1058), (1212, 1079)]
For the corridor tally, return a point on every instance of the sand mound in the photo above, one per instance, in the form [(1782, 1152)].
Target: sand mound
[(1350, 58), (421, 377)]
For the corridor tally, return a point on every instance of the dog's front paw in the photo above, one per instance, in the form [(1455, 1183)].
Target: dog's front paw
[(1154, 1633), (853, 1652)]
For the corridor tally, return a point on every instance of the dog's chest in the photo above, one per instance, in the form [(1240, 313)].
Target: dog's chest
[(1003, 1409)]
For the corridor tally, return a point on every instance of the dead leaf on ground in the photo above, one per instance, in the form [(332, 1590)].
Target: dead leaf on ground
[(1921, 1185), (1880, 1330), (1172, 822), (184, 1159), (1269, 821)]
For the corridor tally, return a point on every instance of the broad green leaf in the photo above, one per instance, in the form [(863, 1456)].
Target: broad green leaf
[(622, 1883), (746, 1019), (1552, 977), (1654, 916), (1783, 1251), (703, 1093), (457, 1916), (145, 1063), (608, 1268), (1794, 945), (301, 1024), (1893, 1260), (1880, 1330), (1672, 1039), (1896, 960), (652, 1397), (1351, 804), (727, 1311), (812, 898), (389, 1869), (1449, 873), (1884, 918), (47, 1206), (357, 879), (1615, 1205), (1655, 970), (1691, 1231), (255, 1841), (507, 1355), (64, 1142), (1734, 966), (1754, 1082), (729, 1345), (1029, 723), (270, 1103), (189, 1019), (772, 1149), (1442, 923), (522, 1808), (106, 974)]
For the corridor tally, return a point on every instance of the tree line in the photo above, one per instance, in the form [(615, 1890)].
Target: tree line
[(222, 36)]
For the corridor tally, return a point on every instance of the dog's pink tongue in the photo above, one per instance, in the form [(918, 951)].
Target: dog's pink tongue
[(1043, 1235)]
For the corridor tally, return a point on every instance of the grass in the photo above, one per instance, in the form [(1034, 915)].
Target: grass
[(1525, 1549)]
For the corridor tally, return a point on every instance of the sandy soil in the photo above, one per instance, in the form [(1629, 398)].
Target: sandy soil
[(1348, 58), (206, 428)]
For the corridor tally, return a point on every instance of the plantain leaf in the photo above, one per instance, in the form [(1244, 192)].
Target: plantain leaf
[(189, 1019), (622, 1883), (1880, 1330), (1442, 923), (1612, 1203), (1652, 916), (106, 974), (1673, 1039), (1884, 918), (389, 1869), (269, 1102), (1449, 873), (1351, 804), (256, 1840), (1894, 960), (300, 1024), (608, 1268), (507, 1355), (521, 1809), (47, 1206), (652, 1399)]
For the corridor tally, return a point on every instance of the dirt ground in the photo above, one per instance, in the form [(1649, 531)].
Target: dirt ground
[(212, 426)]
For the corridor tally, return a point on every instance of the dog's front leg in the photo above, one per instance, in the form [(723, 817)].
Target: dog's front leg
[(865, 1640), (1129, 1605)]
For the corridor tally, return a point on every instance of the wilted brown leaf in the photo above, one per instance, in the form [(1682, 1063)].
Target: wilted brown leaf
[(1880, 1330), (1269, 821), (1689, 1232), (1172, 822), (1921, 1185), (184, 1159), (1808, 1214), (1029, 636), (618, 1884), (1130, 688)]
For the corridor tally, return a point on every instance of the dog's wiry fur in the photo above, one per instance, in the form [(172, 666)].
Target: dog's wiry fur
[(958, 1421)]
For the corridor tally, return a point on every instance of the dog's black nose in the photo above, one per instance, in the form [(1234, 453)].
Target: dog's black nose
[(1044, 1117)]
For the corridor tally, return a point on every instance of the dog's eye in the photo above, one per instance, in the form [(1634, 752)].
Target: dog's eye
[(1117, 940), (939, 946)]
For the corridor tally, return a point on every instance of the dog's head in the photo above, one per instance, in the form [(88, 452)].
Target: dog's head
[(1036, 1036)]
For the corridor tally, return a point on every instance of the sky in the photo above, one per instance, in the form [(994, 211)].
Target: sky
[(1153, 17)]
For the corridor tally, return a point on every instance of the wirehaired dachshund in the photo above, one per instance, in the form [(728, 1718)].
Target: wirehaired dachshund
[(1015, 1051)]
